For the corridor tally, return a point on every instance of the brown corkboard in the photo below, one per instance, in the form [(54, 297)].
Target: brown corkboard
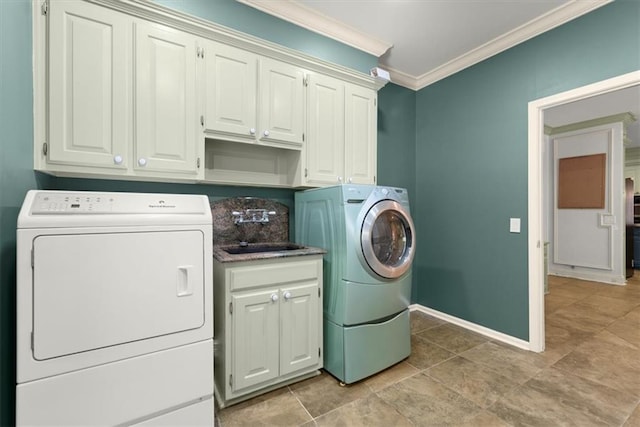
[(581, 182)]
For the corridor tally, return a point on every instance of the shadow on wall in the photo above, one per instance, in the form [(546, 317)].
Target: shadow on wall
[(8, 218), (443, 282)]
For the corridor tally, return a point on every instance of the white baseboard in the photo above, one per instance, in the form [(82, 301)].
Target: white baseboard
[(490, 333)]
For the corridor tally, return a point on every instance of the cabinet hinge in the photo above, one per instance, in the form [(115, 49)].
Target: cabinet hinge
[(303, 137), (231, 380), (45, 148), (318, 351), (202, 120), (375, 102), (44, 8), (32, 261), (306, 172), (318, 292), (31, 340), (230, 308), (305, 81), (374, 179), (202, 52), (198, 163)]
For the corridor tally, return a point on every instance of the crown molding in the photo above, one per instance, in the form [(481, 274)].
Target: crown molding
[(317, 22), (542, 24)]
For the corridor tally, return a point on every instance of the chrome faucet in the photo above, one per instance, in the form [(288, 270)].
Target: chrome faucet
[(252, 215)]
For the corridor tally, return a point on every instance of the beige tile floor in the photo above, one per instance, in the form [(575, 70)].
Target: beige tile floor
[(589, 374)]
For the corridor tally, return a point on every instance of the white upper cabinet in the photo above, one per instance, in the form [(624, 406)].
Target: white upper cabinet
[(361, 124), (89, 87), (250, 98), (165, 102), (325, 137), (281, 115), (98, 123), (342, 133), (230, 88), (136, 90)]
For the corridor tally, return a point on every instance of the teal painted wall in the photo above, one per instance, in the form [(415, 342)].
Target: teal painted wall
[(16, 143), (471, 170), (396, 144)]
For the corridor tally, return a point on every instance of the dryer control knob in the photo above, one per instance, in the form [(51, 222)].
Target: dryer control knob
[(385, 191)]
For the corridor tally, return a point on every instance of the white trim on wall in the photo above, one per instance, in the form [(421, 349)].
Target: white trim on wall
[(490, 333), (535, 214)]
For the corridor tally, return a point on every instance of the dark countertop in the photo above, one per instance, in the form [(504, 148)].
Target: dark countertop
[(222, 256)]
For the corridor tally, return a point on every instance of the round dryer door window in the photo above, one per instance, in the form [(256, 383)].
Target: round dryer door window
[(387, 239)]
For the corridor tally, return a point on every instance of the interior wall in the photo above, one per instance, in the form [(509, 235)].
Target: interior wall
[(16, 145), (471, 157), (396, 143)]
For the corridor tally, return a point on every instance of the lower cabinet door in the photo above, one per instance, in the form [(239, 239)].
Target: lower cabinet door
[(300, 337), (255, 326)]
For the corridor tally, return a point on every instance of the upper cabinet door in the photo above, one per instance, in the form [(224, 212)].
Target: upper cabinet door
[(89, 86), (361, 126), (325, 134), (231, 85), (282, 102), (166, 124)]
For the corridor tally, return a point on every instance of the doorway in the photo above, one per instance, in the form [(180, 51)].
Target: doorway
[(536, 143)]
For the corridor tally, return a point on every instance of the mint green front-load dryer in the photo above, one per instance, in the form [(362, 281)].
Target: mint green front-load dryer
[(369, 237)]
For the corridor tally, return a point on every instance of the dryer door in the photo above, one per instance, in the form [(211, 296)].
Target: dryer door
[(387, 239)]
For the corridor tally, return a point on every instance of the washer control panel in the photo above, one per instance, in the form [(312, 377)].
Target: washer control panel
[(45, 203), (89, 203)]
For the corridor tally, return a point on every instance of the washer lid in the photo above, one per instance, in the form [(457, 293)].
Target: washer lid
[(387, 239)]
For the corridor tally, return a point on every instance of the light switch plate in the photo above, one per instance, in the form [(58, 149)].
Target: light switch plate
[(514, 225)]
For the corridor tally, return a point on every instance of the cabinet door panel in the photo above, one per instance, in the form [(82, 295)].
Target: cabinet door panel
[(300, 338), (361, 125), (231, 79), (325, 136), (255, 338), (165, 100), (89, 83), (282, 92)]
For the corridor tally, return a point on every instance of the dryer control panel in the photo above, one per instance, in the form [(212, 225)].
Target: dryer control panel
[(59, 203)]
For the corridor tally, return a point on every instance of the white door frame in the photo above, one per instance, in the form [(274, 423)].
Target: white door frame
[(535, 214)]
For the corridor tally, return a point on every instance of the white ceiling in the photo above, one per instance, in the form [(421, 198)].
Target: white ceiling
[(423, 41)]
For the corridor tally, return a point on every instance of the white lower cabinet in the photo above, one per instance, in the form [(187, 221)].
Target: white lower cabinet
[(268, 324)]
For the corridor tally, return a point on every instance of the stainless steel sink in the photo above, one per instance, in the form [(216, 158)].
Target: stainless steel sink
[(259, 248)]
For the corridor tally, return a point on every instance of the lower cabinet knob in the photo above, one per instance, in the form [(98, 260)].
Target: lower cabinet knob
[(252, 131), (266, 133), (340, 179), (274, 297), (142, 161), (350, 180), (117, 159)]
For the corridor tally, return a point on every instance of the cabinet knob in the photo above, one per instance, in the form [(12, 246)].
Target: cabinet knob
[(350, 180), (287, 295), (142, 161), (340, 179), (274, 297), (252, 131), (117, 159), (266, 133)]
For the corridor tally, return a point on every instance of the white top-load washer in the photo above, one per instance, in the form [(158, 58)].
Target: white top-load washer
[(114, 309)]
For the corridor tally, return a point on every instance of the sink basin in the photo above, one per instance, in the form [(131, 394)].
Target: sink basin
[(259, 248)]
